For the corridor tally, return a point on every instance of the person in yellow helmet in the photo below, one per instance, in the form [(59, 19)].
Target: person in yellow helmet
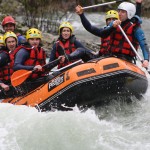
[(6, 63), (1, 41), (110, 16), (31, 56), (67, 46), (10, 40)]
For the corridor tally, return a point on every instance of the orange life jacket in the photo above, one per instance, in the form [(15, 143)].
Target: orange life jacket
[(6, 71), (118, 43), (37, 57), (67, 48)]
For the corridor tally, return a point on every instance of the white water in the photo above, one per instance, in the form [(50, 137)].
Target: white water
[(115, 127)]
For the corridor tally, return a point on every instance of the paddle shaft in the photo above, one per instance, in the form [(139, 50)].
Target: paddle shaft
[(17, 78), (51, 62), (130, 43), (103, 4)]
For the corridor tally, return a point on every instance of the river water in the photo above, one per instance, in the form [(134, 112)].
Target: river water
[(116, 126)]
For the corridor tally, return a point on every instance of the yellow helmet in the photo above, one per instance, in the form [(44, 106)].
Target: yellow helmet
[(65, 25), (1, 39), (33, 33), (111, 14), (9, 34)]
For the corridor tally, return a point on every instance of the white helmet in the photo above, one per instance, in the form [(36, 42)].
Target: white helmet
[(129, 7)]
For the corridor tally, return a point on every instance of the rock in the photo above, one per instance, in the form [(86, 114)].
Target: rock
[(48, 40)]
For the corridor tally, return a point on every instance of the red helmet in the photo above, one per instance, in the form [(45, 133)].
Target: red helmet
[(8, 19)]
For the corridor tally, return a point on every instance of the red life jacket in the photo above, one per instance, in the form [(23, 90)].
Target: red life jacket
[(37, 57), (6, 71), (68, 48), (118, 43), (104, 45), (12, 55)]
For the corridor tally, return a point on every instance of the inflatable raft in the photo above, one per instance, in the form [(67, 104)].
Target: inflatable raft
[(87, 84)]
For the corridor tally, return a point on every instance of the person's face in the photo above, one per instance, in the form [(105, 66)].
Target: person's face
[(11, 43), (122, 15), (34, 42), (66, 33), (110, 20), (9, 27)]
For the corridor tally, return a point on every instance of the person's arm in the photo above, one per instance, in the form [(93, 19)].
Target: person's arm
[(21, 56), (4, 59), (4, 86), (78, 44), (100, 32), (138, 7), (53, 53), (139, 35)]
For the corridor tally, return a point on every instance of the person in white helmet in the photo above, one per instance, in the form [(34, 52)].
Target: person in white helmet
[(110, 16), (119, 46)]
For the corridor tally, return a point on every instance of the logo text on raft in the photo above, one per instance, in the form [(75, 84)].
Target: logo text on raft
[(55, 82)]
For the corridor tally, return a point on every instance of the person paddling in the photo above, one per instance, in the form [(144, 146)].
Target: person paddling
[(69, 47), (118, 45), (134, 32), (31, 56), (110, 16), (6, 63)]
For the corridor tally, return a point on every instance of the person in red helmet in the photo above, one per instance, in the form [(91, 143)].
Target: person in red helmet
[(9, 24)]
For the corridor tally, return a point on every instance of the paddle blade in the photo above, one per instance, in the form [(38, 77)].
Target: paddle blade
[(19, 77)]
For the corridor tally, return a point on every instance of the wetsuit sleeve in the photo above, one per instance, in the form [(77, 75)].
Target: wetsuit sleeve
[(139, 35), (138, 9), (4, 59), (20, 58), (53, 53), (102, 32), (78, 44)]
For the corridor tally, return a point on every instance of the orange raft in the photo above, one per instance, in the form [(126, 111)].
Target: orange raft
[(87, 84)]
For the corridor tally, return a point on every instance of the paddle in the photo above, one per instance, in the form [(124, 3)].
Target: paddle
[(103, 4), (131, 45), (20, 76)]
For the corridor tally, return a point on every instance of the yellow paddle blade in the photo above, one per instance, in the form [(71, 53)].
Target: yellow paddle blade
[(19, 77)]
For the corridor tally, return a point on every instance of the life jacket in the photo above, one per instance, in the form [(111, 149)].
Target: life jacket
[(12, 56), (37, 57), (6, 71), (66, 48), (104, 45), (118, 43)]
